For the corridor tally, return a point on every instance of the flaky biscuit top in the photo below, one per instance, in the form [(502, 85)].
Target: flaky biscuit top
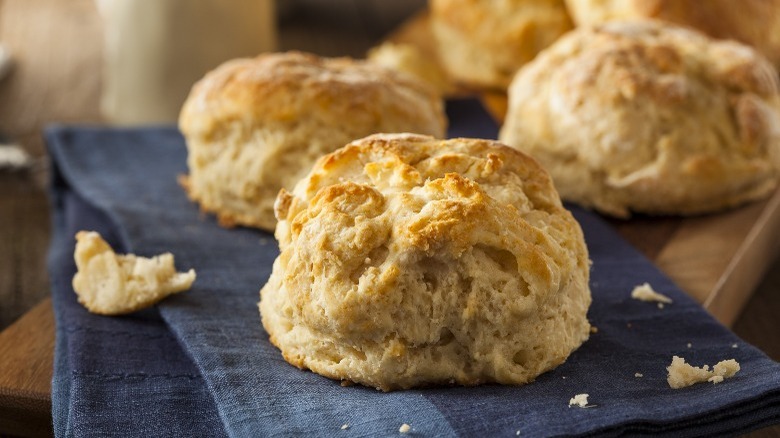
[(645, 106), (382, 203), (281, 87), (660, 69)]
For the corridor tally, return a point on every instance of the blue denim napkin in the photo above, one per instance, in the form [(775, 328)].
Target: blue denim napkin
[(200, 364), (115, 376)]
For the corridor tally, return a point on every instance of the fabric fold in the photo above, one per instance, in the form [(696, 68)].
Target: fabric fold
[(115, 375)]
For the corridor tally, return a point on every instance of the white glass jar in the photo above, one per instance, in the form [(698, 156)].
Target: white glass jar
[(155, 50)]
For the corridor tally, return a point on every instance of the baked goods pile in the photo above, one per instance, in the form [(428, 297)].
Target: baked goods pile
[(405, 260), (634, 110), (483, 42), (408, 261)]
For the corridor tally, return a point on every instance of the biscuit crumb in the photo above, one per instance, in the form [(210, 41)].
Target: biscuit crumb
[(239, 180), (594, 329), (405, 428), (645, 292), (110, 284), (638, 375), (689, 345), (660, 305), (580, 400), (682, 374), (345, 426), (734, 346)]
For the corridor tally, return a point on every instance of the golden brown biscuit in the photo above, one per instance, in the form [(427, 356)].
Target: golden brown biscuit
[(111, 284), (256, 125), (753, 22), (649, 117), (484, 42), (409, 261)]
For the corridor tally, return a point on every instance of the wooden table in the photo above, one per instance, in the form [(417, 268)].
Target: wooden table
[(718, 259)]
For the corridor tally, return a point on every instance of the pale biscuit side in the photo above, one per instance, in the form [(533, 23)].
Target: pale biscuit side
[(753, 22)]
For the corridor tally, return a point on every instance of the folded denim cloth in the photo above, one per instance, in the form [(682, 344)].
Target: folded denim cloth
[(116, 376), (200, 364)]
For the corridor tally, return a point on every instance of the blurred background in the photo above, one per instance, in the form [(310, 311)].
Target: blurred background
[(58, 47)]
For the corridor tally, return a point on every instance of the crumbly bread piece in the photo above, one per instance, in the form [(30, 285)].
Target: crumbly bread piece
[(483, 42), (753, 22), (649, 117), (682, 374), (580, 400), (409, 261), (254, 126), (645, 292), (111, 284), (409, 59)]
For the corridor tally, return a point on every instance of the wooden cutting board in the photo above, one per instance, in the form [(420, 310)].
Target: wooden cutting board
[(718, 259)]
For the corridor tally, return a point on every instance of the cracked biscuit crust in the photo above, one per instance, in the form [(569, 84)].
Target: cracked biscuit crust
[(409, 261), (649, 117)]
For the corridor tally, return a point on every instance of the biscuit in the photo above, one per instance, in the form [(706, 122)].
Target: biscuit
[(753, 22), (254, 126), (111, 284), (483, 42), (408, 261), (649, 117), (682, 374), (410, 59)]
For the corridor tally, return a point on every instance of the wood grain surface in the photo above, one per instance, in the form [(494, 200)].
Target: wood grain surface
[(26, 357), (57, 46), (24, 238)]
